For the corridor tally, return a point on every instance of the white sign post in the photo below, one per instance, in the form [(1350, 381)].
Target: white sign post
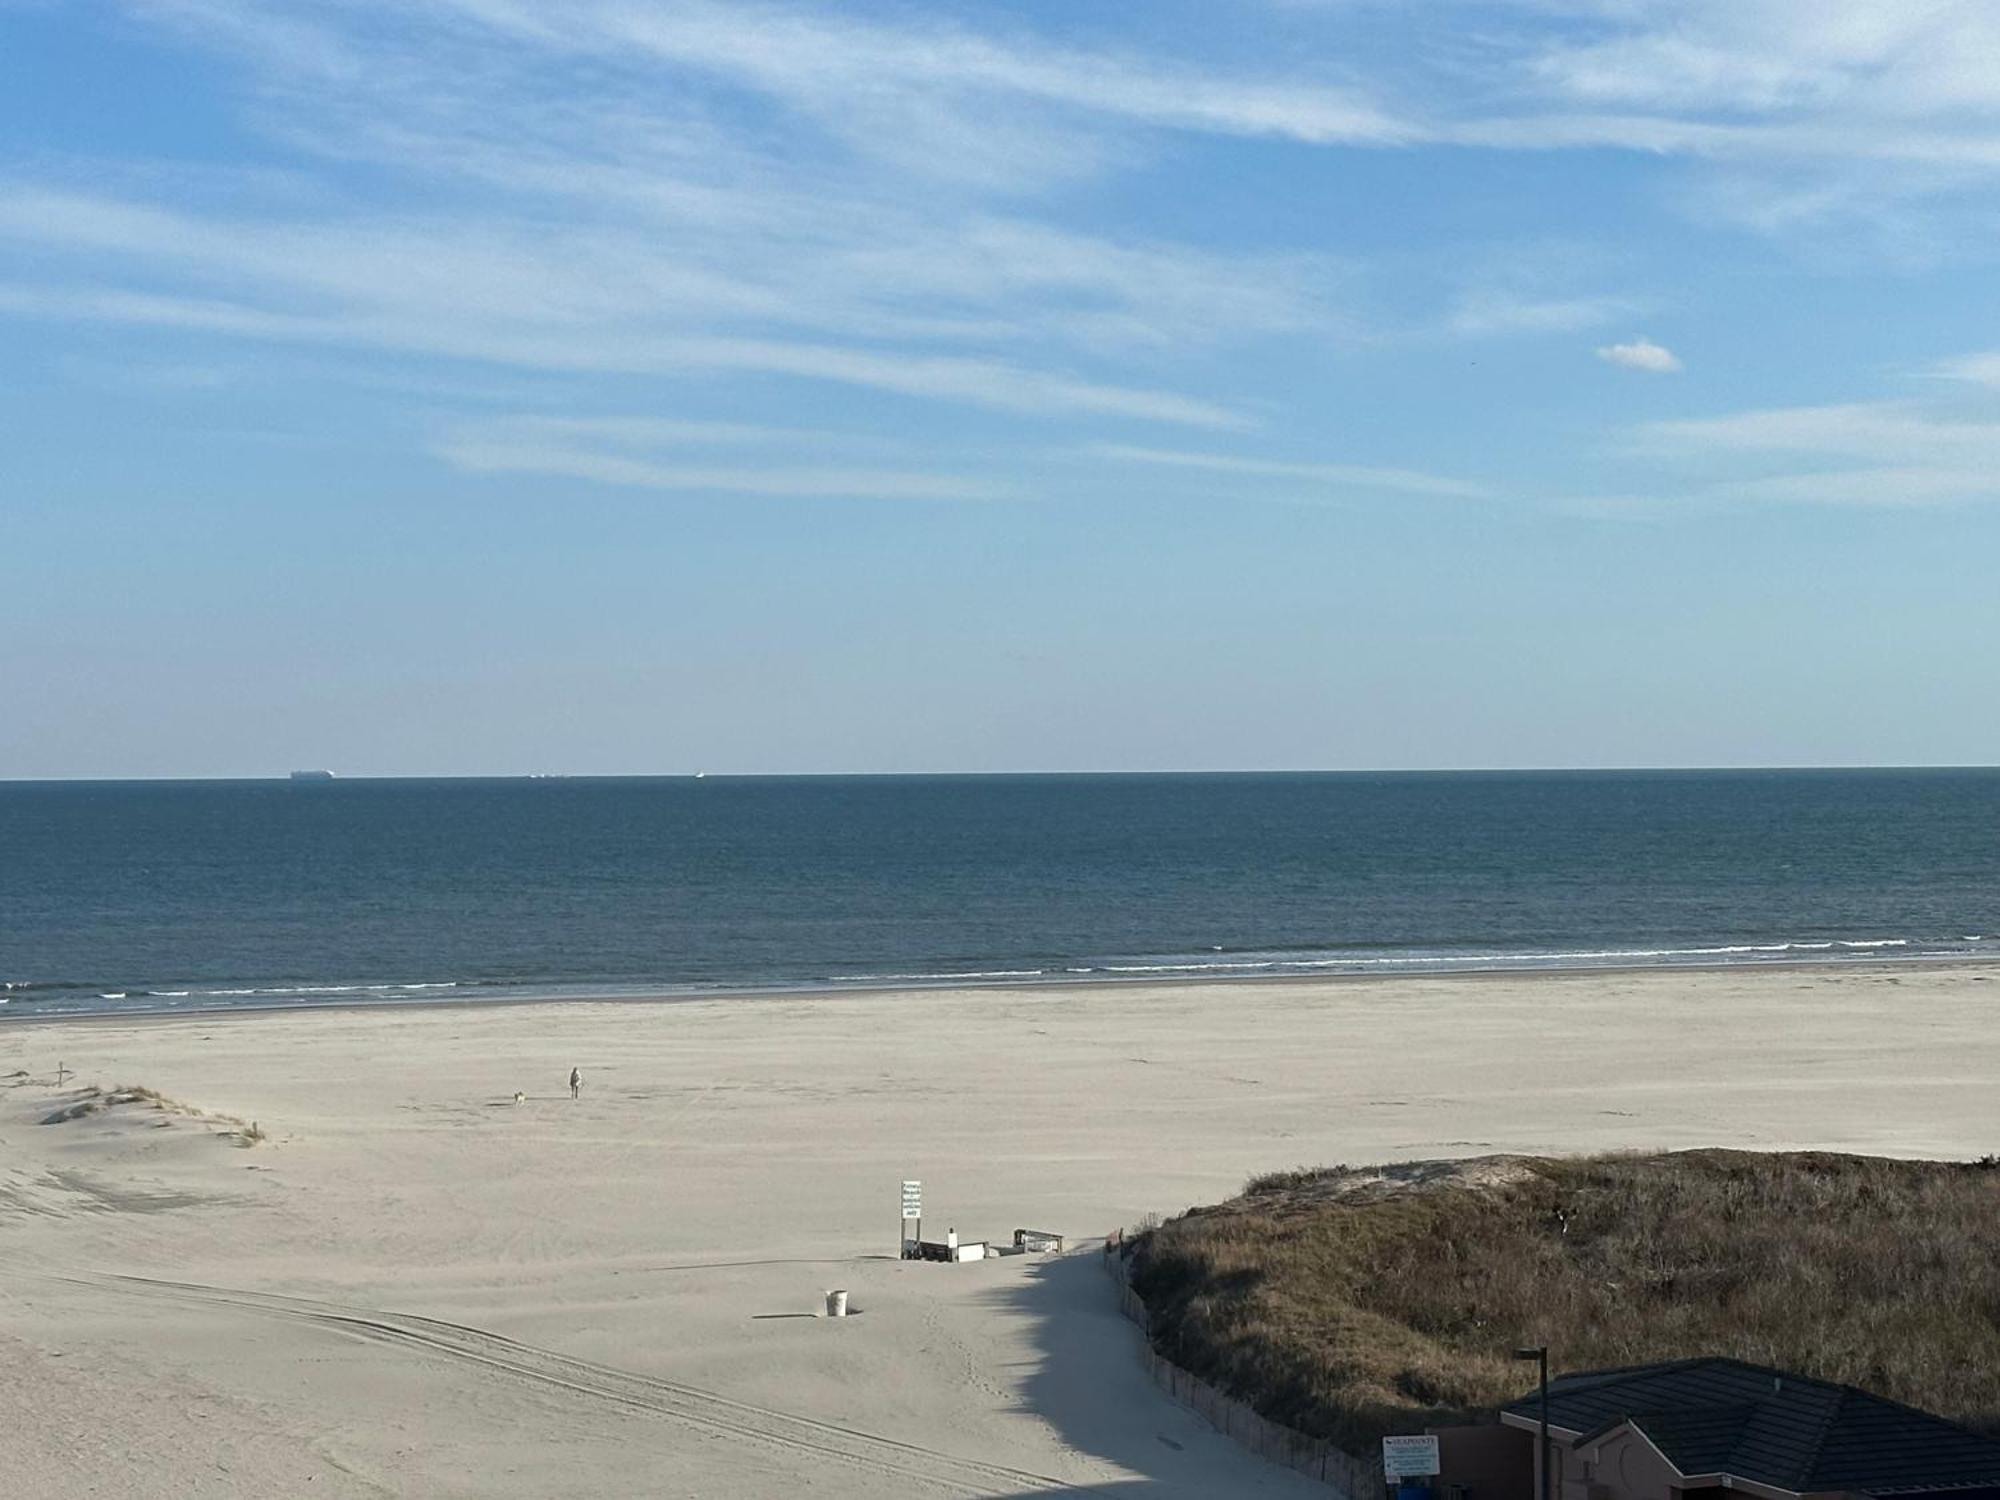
[(913, 1210), (1409, 1457)]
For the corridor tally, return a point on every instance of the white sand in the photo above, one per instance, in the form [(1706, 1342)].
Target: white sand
[(651, 1249)]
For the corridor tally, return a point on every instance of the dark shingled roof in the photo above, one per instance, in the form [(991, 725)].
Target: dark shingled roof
[(1722, 1416)]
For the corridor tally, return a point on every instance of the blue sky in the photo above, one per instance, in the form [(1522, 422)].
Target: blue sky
[(473, 386)]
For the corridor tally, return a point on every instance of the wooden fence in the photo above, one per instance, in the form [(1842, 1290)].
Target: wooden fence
[(1349, 1477)]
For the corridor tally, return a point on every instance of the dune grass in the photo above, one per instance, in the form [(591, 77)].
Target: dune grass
[(1352, 1304), (91, 1100)]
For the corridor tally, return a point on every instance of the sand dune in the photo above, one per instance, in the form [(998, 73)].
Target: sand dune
[(416, 1285)]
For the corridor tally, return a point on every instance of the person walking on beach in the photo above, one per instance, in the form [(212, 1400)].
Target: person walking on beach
[(575, 1082)]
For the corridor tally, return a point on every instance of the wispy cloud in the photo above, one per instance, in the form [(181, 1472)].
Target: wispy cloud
[(616, 469), (884, 200), (1640, 354), (605, 344), (1316, 475), (1484, 313), (1978, 369), (1867, 119), (1900, 453), (642, 432), (1888, 488), (1896, 59), (660, 454), (828, 61), (648, 226), (1882, 430)]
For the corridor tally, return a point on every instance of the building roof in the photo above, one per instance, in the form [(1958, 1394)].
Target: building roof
[(1722, 1416)]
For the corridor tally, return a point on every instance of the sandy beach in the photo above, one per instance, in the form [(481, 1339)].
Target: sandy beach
[(415, 1285)]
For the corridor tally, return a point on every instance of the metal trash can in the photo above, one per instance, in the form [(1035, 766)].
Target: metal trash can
[(836, 1304)]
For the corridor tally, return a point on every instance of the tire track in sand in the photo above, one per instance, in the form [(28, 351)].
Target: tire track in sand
[(691, 1406)]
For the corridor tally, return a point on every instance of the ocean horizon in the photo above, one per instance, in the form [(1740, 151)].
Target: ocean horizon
[(126, 896)]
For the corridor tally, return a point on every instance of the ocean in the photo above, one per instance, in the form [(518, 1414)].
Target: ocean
[(123, 896)]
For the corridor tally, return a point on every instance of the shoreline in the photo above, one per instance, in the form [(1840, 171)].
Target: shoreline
[(830, 990)]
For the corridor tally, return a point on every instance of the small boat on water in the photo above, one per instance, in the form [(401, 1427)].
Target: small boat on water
[(312, 775)]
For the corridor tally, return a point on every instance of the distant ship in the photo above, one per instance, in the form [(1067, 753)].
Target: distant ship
[(312, 775)]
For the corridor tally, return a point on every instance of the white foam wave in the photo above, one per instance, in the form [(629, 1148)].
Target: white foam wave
[(1199, 968), (1193, 967), (1412, 961), (1545, 956), (1415, 960), (327, 989), (959, 974)]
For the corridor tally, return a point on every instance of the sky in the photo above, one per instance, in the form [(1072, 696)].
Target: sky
[(435, 387)]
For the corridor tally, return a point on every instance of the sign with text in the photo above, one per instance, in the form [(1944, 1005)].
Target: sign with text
[(913, 1200), (1409, 1457)]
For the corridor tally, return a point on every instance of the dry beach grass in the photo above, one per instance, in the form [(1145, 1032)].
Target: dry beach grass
[(1353, 1303), (82, 1103)]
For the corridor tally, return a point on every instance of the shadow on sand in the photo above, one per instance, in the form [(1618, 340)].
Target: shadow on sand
[(1091, 1387), (1135, 1489)]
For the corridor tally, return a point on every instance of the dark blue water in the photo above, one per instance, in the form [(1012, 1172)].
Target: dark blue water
[(182, 894)]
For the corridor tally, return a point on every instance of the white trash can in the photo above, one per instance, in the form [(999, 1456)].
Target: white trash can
[(836, 1304)]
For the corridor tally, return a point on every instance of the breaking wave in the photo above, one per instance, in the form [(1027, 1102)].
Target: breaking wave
[(1212, 962)]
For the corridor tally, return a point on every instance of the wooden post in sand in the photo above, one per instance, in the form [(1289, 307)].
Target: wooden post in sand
[(60, 1070)]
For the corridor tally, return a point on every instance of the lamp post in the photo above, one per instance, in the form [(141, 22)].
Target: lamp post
[(1540, 1354)]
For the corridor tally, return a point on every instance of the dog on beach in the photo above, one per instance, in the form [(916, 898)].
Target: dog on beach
[(519, 1097)]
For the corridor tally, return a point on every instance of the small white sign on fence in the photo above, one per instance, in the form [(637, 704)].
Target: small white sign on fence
[(1409, 1457), (913, 1200)]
